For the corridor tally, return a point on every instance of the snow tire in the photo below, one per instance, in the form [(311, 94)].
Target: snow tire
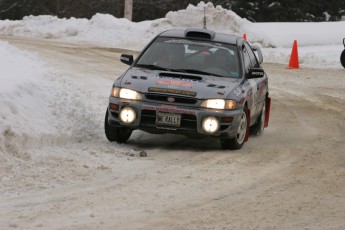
[(237, 141), (118, 134)]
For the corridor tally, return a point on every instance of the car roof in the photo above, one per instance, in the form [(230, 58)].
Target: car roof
[(201, 34)]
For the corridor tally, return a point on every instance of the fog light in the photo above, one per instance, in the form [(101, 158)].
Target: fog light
[(210, 124), (127, 115)]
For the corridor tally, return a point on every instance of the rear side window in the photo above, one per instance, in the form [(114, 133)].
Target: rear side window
[(246, 59), (252, 57)]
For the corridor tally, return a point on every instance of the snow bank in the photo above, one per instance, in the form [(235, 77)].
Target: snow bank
[(22, 91), (217, 18), (43, 27), (307, 33), (112, 31), (38, 106)]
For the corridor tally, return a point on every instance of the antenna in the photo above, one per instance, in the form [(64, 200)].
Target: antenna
[(205, 17)]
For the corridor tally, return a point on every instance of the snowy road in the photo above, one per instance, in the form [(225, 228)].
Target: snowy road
[(292, 177)]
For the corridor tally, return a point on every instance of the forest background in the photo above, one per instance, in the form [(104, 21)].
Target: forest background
[(255, 11)]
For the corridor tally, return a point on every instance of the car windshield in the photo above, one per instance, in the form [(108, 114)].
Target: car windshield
[(191, 56)]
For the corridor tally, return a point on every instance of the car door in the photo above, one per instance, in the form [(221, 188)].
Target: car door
[(257, 93)]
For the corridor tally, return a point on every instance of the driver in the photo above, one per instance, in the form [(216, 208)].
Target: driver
[(221, 59), (173, 58)]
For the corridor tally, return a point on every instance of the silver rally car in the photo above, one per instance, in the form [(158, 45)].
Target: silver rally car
[(192, 82)]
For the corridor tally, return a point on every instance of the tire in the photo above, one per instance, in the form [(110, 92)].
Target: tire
[(342, 58), (258, 128), (118, 134), (238, 141)]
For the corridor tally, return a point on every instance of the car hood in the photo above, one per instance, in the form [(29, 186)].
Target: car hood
[(176, 83)]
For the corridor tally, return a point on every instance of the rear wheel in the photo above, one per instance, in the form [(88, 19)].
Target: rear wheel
[(342, 58), (258, 127), (237, 141), (118, 134)]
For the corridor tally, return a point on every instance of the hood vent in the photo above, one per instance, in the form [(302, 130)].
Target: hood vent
[(141, 77), (199, 33), (216, 86), (181, 76)]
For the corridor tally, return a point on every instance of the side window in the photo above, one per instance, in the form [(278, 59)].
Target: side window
[(246, 59), (251, 56)]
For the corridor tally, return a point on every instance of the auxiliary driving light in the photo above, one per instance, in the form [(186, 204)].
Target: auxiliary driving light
[(127, 115), (210, 124)]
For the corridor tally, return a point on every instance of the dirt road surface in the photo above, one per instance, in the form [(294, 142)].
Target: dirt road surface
[(291, 177)]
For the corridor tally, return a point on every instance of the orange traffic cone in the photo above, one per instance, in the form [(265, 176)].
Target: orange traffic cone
[(294, 63), (245, 36)]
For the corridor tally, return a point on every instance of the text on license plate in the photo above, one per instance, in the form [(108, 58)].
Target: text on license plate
[(168, 119)]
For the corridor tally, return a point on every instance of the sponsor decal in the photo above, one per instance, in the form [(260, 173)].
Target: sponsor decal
[(124, 58), (175, 83), (171, 99), (261, 74), (168, 109), (189, 42), (235, 74), (172, 91)]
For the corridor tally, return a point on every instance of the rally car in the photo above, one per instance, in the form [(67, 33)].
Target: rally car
[(193, 82)]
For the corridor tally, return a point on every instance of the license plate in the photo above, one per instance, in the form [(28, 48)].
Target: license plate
[(169, 119)]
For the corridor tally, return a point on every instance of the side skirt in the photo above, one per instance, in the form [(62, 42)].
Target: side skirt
[(248, 124)]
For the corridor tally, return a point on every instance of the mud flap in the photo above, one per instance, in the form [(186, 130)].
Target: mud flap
[(248, 126), (268, 110)]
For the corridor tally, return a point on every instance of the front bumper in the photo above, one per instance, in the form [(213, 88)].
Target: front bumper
[(191, 118)]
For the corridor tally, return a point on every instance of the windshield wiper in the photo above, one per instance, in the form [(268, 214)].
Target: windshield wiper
[(155, 67), (196, 71)]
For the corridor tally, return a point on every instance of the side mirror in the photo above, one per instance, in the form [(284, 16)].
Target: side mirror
[(256, 73), (258, 54), (127, 59)]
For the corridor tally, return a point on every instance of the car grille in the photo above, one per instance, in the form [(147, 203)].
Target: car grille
[(180, 100), (148, 117)]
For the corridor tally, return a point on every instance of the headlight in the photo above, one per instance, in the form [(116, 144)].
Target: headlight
[(219, 104), (126, 94), (129, 94)]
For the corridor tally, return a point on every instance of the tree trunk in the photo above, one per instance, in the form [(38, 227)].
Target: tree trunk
[(128, 9)]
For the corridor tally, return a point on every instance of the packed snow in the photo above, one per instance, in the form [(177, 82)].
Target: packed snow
[(32, 94)]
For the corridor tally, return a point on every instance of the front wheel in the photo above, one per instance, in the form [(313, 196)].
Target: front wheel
[(242, 130), (118, 134)]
